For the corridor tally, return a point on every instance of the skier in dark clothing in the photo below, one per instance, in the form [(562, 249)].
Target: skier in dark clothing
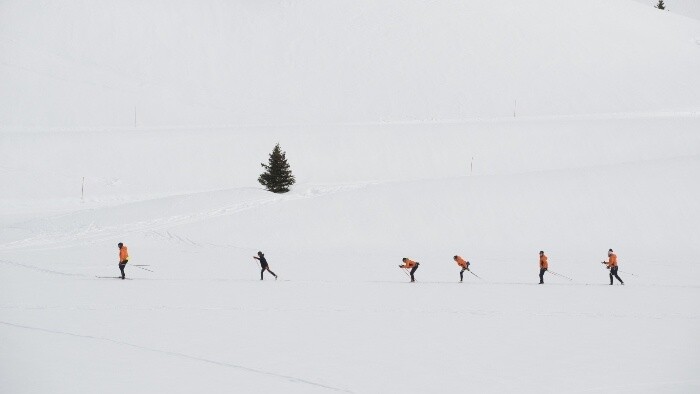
[(123, 257), (413, 265), (612, 266), (263, 265)]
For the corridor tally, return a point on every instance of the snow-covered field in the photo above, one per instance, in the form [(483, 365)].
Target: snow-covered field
[(342, 316), (398, 152)]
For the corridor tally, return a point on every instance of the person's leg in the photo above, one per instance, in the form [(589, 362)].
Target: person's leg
[(261, 273), (541, 275), (121, 268), (461, 274), (413, 270), (270, 271), (618, 278), (611, 276)]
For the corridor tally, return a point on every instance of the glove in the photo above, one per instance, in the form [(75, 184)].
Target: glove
[(400, 266)]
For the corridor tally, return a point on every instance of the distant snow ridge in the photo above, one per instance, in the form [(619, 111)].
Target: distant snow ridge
[(80, 64)]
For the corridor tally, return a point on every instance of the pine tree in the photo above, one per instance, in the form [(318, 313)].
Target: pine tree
[(661, 5), (277, 176)]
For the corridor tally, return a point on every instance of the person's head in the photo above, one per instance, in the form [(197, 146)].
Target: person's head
[(541, 252), (404, 259), (260, 254), (120, 245), (455, 257), (610, 252)]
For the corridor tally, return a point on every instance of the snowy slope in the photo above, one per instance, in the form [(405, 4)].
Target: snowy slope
[(44, 167), (397, 119), (689, 8), (86, 65), (342, 317)]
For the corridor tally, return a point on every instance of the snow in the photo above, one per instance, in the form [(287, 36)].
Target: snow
[(73, 64), (689, 8), (342, 316), (384, 173)]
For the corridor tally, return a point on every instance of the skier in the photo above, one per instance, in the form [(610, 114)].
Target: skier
[(464, 264), (544, 265), (612, 266), (413, 265), (123, 258), (264, 265)]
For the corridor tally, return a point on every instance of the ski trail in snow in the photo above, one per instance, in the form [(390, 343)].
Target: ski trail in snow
[(93, 234), (181, 355), (31, 267)]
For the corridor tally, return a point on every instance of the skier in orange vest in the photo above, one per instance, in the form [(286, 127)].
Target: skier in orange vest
[(544, 265), (464, 264), (123, 258), (413, 265), (612, 266)]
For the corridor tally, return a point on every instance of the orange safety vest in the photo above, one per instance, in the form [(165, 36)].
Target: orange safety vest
[(543, 262), (461, 262), (123, 254), (612, 262), (409, 263)]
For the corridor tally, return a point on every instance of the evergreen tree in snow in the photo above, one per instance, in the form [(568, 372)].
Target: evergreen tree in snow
[(277, 176), (661, 5)]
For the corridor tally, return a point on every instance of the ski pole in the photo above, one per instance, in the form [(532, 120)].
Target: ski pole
[(554, 273), (627, 273), (405, 271), (621, 271), (474, 274)]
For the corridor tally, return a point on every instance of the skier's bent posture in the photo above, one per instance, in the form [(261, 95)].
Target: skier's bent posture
[(544, 265), (123, 257), (263, 265), (612, 266), (413, 265), (464, 264)]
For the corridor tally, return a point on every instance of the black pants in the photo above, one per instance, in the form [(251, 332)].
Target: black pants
[(413, 270), (542, 271), (121, 268), (266, 268), (461, 273), (613, 272)]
